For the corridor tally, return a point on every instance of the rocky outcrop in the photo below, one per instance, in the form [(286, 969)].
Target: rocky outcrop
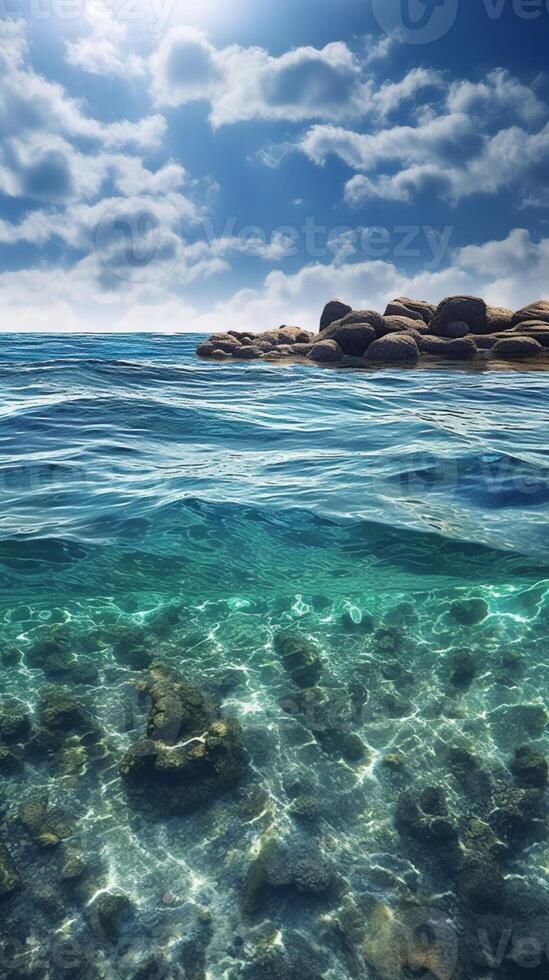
[(190, 755), (460, 329)]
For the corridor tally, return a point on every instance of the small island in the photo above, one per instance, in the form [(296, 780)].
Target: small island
[(410, 332)]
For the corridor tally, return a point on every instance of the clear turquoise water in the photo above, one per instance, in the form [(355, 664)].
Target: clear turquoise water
[(209, 506)]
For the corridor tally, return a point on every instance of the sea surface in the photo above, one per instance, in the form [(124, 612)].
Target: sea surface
[(159, 508)]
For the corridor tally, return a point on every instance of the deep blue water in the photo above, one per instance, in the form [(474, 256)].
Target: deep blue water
[(239, 499)]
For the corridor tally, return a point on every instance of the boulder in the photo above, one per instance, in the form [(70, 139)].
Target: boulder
[(191, 754), (108, 916), (398, 309), (300, 658), (533, 328), (463, 668), (10, 879), (46, 827), (225, 342), (469, 612), (463, 309), (60, 711), (247, 353), (206, 349), (394, 349), (424, 815), (534, 311), (352, 338), (285, 866), (334, 310), (457, 329), (366, 316), (462, 349), (424, 310), (295, 335), (15, 727), (499, 318), (397, 324), (516, 348), (481, 884), (529, 767), (325, 352), (486, 342), (301, 350)]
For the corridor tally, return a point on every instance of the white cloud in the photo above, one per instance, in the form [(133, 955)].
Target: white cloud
[(510, 272), (248, 83)]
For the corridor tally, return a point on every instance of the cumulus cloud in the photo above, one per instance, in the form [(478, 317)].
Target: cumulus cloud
[(448, 156), (248, 83), (507, 271)]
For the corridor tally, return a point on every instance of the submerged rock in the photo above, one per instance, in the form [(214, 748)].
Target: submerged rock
[(191, 754), (47, 828), (469, 612), (10, 879), (285, 865), (424, 815), (299, 657), (108, 916), (481, 884), (529, 766)]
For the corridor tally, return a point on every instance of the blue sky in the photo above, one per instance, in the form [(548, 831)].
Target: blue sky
[(195, 165)]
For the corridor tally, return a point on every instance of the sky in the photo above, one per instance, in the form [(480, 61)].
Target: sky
[(197, 165)]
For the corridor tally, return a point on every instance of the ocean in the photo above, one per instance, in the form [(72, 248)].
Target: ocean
[(351, 564)]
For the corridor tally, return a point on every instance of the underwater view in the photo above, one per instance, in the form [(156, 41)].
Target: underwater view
[(274, 667)]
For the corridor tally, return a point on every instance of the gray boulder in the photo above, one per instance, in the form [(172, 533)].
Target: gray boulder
[(463, 309), (397, 324), (226, 342), (334, 310), (294, 335), (535, 311), (394, 348), (301, 350), (517, 348), (533, 328), (499, 318), (366, 316), (248, 353), (353, 338), (398, 309), (459, 348), (325, 352), (457, 329), (425, 311)]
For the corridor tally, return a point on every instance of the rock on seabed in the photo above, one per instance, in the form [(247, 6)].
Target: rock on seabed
[(411, 331)]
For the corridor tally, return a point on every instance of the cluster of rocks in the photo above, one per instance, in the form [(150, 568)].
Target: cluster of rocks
[(190, 754), (460, 328)]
